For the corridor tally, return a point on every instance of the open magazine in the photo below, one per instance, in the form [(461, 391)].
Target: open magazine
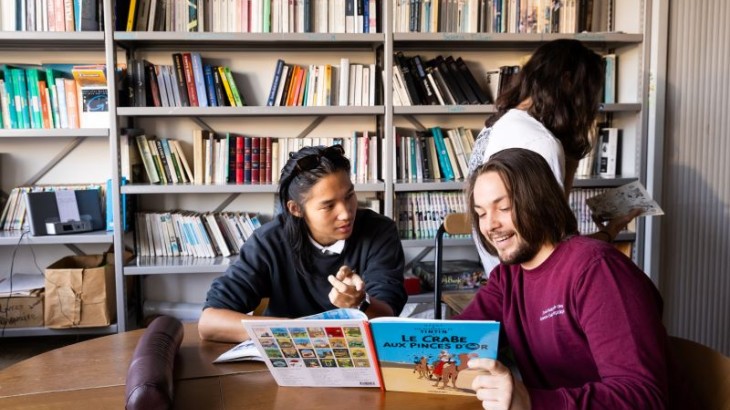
[(621, 200), (342, 348)]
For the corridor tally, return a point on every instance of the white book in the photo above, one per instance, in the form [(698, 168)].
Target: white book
[(339, 16), (321, 16), (344, 82), (399, 86), (371, 86), (365, 98), (299, 9), (358, 84), (234, 23), (217, 234)]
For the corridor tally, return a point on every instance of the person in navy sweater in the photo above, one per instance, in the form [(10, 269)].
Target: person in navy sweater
[(320, 253), (582, 320)]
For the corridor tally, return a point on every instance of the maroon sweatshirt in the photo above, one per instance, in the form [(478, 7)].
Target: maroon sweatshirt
[(585, 328)]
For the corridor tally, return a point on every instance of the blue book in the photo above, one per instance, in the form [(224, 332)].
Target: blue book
[(199, 79), (444, 162), (210, 86), (275, 84), (109, 211)]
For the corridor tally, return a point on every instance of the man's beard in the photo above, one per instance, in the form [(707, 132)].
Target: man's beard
[(524, 253)]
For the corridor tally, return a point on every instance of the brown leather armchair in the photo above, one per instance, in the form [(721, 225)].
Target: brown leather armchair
[(150, 375)]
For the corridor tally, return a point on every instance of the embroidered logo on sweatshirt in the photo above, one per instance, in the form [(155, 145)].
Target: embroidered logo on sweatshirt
[(555, 310)]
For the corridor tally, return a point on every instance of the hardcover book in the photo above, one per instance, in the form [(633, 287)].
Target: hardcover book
[(342, 348)]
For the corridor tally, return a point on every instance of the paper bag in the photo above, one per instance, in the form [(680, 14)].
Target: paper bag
[(80, 292)]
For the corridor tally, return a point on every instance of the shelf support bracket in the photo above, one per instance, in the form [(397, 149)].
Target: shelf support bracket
[(75, 249), (203, 124), (415, 122), (311, 126), (425, 251), (53, 162), (223, 205)]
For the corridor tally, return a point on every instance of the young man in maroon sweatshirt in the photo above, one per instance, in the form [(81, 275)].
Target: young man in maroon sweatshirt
[(582, 320)]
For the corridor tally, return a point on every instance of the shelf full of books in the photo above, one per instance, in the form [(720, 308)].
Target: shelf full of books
[(54, 96), (232, 162)]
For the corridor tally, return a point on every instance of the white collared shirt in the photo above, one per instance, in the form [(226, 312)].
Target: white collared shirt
[(334, 249)]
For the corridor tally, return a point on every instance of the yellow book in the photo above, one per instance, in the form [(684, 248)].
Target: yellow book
[(130, 18), (226, 86)]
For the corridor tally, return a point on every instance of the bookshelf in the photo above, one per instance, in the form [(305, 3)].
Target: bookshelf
[(46, 156), (481, 50), (252, 56)]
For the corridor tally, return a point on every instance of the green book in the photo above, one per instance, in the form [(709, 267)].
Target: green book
[(240, 102)]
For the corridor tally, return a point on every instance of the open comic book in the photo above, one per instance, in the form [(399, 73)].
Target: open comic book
[(342, 348), (621, 200)]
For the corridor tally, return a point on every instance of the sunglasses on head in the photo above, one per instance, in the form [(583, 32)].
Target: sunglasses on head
[(309, 162)]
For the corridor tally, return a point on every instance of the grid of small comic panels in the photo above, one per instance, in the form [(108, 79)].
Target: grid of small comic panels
[(314, 347)]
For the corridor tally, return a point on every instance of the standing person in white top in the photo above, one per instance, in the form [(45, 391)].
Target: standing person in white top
[(549, 108)]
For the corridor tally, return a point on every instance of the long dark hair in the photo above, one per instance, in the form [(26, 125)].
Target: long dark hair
[(300, 173), (564, 79), (540, 211)]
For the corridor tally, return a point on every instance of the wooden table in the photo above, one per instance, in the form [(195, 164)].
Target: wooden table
[(456, 302), (92, 374)]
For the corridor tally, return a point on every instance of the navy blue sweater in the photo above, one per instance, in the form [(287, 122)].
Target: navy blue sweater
[(265, 268)]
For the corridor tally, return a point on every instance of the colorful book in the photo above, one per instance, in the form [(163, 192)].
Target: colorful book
[(342, 348)]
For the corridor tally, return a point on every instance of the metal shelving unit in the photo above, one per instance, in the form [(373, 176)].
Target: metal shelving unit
[(42, 42), (383, 44)]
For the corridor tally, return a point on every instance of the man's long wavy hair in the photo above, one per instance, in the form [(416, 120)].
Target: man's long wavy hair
[(564, 80), (540, 211)]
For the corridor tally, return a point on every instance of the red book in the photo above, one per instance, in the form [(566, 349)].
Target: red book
[(239, 159), (190, 79), (268, 160), (255, 159), (247, 160), (263, 152)]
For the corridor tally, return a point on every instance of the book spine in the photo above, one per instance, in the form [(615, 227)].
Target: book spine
[(210, 85), (269, 159), (190, 79), (199, 79), (72, 105), (182, 87), (239, 159), (146, 154), (234, 89), (247, 147), (275, 83), (255, 159), (226, 86), (443, 155), (154, 89), (164, 162), (218, 85)]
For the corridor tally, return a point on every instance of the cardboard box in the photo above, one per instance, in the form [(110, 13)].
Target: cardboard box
[(22, 311), (80, 292)]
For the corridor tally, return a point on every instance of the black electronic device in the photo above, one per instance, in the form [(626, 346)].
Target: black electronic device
[(45, 217)]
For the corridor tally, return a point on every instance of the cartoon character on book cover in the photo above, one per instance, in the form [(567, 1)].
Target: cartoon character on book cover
[(432, 357)]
